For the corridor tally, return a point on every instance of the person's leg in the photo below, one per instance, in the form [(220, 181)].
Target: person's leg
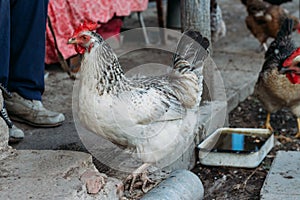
[(4, 41), (15, 134), (26, 72), (28, 25)]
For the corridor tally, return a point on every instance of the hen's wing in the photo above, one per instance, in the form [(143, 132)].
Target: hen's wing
[(154, 102), (168, 97)]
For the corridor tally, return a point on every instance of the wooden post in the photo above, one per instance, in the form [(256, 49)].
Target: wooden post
[(195, 14)]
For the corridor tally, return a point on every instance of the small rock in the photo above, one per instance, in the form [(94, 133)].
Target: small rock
[(239, 109), (93, 180)]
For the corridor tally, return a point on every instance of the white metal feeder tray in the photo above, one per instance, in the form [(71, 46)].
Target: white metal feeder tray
[(236, 147)]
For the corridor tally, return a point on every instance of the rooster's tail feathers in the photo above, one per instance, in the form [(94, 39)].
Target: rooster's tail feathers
[(191, 49)]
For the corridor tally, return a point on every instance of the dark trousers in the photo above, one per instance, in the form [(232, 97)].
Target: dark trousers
[(22, 46)]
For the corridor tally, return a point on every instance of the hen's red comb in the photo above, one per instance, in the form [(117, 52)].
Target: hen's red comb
[(86, 26), (290, 59), (298, 27)]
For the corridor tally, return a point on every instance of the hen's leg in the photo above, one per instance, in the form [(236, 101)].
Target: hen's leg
[(141, 171), (267, 123), (268, 126), (298, 133), (265, 46)]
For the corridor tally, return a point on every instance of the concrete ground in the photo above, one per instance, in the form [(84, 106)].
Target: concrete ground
[(283, 179)]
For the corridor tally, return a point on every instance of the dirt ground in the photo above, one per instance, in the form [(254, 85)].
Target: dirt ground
[(237, 183)]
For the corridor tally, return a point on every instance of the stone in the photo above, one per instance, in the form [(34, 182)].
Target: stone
[(93, 180), (47, 174), (283, 179)]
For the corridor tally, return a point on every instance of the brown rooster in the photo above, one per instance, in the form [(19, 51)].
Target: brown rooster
[(273, 89), (264, 20)]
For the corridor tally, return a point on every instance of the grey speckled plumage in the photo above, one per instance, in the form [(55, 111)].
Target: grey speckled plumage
[(155, 116)]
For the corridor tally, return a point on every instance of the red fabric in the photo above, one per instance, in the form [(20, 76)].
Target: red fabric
[(66, 16), (111, 28)]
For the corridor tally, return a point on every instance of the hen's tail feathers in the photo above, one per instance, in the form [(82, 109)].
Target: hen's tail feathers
[(244, 2), (283, 41), (191, 51), (286, 29), (281, 47)]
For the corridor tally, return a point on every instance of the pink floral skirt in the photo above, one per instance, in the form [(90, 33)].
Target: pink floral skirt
[(66, 15)]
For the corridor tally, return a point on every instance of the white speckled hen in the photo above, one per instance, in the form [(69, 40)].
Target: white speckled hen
[(152, 116)]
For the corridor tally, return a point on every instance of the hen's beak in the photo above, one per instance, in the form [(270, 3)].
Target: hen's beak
[(284, 70), (72, 41)]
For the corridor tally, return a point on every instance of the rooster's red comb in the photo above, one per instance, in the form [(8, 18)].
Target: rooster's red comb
[(86, 26)]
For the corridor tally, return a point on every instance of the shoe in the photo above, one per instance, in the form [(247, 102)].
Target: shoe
[(32, 112), (15, 134)]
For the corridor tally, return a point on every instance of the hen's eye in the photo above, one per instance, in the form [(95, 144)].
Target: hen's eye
[(84, 37)]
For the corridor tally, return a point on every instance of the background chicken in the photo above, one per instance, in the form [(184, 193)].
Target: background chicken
[(264, 20), (273, 89), (277, 2), (153, 116), (217, 24)]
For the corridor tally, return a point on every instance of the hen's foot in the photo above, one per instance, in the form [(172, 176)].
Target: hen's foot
[(268, 126), (282, 138), (144, 179), (297, 135)]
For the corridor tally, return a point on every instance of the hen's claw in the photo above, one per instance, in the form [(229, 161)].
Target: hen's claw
[(146, 180), (143, 177), (284, 138), (268, 126), (131, 177), (141, 171)]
